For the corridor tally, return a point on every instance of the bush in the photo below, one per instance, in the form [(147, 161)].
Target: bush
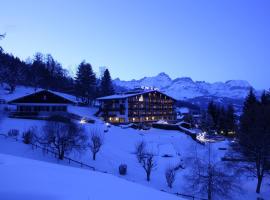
[(28, 136), (170, 176), (13, 133), (140, 150), (123, 169)]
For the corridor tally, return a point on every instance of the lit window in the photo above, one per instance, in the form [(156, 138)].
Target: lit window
[(141, 98)]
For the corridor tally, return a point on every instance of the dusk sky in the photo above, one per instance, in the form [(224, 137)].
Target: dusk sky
[(205, 40)]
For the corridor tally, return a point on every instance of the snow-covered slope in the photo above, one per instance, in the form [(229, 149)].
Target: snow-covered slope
[(186, 88), (26, 179)]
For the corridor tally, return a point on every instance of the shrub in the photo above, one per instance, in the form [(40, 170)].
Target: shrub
[(170, 176), (13, 133), (28, 136), (140, 150), (123, 169)]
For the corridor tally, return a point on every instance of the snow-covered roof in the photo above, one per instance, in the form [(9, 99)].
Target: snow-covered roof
[(126, 95), (44, 96)]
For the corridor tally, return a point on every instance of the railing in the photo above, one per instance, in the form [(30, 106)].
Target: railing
[(55, 154), (186, 196)]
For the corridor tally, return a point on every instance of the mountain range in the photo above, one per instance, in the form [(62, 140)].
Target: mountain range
[(186, 89)]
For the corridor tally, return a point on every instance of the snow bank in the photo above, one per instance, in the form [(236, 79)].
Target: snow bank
[(26, 179)]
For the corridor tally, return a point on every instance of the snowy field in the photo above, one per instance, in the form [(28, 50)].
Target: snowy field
[(26, 179), (118, 148)]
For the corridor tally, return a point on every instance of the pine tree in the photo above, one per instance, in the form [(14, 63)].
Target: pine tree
[(221, 120), (106, 86), (230, 120), (85, 83), (207, 124), (254, 140), (213, 111)]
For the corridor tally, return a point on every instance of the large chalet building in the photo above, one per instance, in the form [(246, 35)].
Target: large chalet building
[(137, 106)]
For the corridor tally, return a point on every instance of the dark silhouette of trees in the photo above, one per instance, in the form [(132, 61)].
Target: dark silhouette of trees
[(96, 142), (209, 177), (86, 83), (63, 135), (219, 119), (106, 86), (253, 137)]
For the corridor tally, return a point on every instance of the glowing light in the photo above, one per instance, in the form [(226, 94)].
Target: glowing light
[(82, 121), (141, 98)]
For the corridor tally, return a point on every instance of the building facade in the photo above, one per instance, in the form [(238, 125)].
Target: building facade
[(41, 102), (137, 106)]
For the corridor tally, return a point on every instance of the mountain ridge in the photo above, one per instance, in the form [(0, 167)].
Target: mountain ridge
[(183, 88)]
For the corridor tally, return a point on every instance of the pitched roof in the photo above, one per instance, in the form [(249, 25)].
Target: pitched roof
[(43, 96), (126, 95)]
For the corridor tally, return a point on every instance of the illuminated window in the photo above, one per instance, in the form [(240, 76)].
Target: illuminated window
[(141, 98)]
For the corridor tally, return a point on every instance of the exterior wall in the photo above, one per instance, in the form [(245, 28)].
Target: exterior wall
[(148, 107), (151, 107), (115, 111), (41, 108)]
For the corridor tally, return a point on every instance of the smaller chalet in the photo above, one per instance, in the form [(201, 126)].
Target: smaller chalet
[(41, 102)]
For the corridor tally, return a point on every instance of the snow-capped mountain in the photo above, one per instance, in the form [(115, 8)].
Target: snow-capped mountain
[(186, 88)]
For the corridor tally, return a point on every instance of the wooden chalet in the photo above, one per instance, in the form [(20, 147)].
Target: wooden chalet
[(137, 106), (41, 102)]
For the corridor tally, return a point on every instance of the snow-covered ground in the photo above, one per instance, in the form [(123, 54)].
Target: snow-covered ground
[(26, 179), (118, 148)]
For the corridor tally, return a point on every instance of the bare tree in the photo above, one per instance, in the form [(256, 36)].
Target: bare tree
[(209, 177), (2, 36), (63, 135), (96, 141), (140, 150), (170, 175), (148, 164)]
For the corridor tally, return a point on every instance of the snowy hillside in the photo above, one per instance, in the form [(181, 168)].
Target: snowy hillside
[(27, 179), (170, 148), (186, 88)]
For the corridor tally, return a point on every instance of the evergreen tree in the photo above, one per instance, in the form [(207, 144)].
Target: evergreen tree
[(254, 140), (85, 83), (221, 120), (207, 124), (230, 120), (213, 111), (106, 86)]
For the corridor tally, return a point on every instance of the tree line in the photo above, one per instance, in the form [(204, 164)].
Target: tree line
[(43, 71), (219, 119)]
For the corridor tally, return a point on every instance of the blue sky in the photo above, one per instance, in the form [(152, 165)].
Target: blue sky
[(211, 40)]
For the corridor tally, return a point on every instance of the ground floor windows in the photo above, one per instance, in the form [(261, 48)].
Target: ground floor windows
[(41, 108), (150, 118), (116, 120)]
